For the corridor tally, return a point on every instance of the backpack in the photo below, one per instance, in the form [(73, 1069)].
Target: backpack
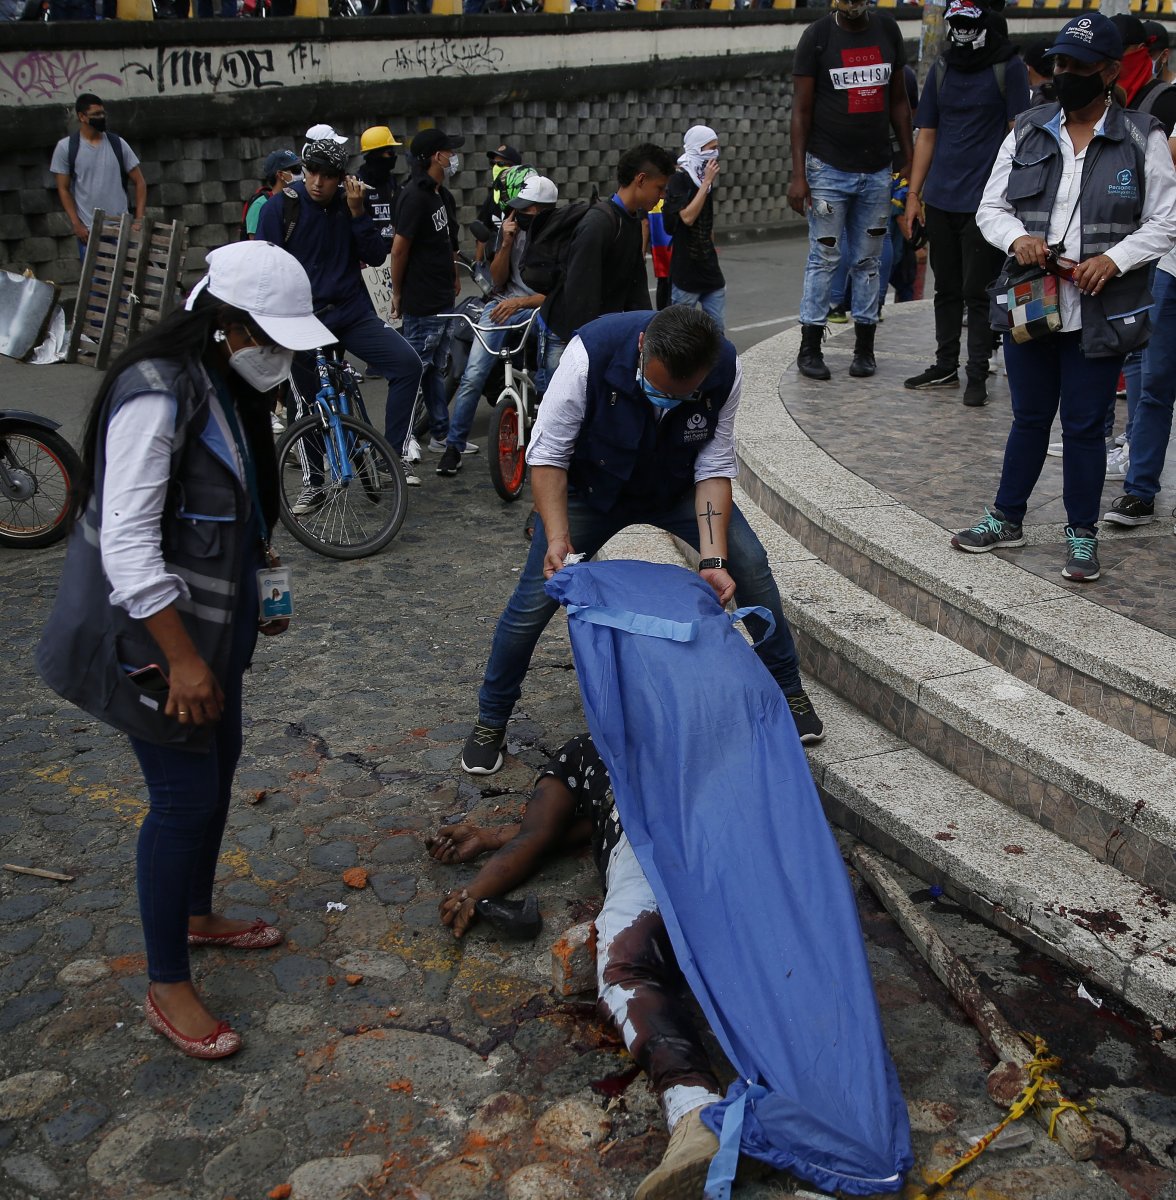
[(243, 233), (116, 144), (998, 69), (549, 239)]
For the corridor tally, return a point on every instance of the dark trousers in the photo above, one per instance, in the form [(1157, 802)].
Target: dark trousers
[(964, 265), (1043, 376), (188, 795)]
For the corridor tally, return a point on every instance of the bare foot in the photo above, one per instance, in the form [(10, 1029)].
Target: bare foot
[(184, 1009), (214, 924)]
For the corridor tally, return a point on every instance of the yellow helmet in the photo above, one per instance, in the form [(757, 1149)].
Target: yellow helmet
[(376, 138)]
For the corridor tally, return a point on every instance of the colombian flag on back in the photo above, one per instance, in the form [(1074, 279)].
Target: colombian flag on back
[(661, 245)]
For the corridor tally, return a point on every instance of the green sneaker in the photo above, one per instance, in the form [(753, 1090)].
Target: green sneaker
[(994, 531), (1082, 562)]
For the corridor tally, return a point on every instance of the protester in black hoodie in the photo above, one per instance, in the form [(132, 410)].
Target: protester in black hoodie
[(970, 99)]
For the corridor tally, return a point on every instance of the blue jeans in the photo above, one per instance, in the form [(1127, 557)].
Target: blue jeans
[(429, 337), (530, 608), (855, 205), (714, 304), (891, 253), (188, 795), (551, 350), (1151, 424), (477, 371), (1044, 375)]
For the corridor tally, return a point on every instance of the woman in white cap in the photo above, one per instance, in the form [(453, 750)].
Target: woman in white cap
[(159, 608)]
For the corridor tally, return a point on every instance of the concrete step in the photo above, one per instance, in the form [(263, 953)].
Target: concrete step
[(1024, 878), (1103, 665)]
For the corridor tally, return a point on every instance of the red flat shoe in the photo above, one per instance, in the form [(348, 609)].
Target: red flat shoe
[(259, 936), (223, 1041)]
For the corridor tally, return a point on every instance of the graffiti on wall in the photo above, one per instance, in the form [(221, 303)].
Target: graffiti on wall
[(52, 74), (446, 56), (183, 70)]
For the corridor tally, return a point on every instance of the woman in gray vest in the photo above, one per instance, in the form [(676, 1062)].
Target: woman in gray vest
[(159, 605), (1087, 189)]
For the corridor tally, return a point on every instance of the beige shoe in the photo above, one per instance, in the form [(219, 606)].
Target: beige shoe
[(681, 1174)]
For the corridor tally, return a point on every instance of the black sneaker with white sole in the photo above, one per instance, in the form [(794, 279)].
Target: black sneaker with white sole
[(933, 377), (1130, 510), (450, 461), (809, 727), (482, 752), (991, 533), (975, 393), (1082, 561)]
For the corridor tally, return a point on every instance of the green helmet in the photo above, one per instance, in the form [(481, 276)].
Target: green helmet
[(510, 183)]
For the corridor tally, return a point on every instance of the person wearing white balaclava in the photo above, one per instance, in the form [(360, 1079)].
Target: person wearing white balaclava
[(688, 214)]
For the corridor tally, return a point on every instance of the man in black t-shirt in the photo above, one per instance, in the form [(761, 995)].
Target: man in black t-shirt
[(848, 93), (425, 281), (689, 217), (639, 982)]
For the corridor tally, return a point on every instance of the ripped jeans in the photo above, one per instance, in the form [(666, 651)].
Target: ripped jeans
[(850, 214), (643, 993)]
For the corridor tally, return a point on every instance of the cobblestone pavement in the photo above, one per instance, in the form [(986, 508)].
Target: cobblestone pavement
[(383, 1058), (943, 460)]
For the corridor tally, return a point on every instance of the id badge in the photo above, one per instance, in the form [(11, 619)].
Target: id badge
[(273, 592)]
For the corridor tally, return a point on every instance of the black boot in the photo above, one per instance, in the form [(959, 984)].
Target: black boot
[(863, 351), (810, 360)]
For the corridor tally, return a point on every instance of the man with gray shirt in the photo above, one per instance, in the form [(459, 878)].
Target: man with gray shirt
[(92, 169), (512, 304)]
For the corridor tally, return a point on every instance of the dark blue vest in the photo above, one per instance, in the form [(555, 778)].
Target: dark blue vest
[(624, 453)]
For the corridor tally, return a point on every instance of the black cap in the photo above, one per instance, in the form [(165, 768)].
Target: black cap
[(1130, 29), (429, 141), (507, 154), (1036, 56), (1157, 36)]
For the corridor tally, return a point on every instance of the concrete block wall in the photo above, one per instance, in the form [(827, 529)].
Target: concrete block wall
[(203, 181)]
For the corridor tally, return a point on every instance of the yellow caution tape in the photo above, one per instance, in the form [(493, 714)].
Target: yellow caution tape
[(1036, 1068)]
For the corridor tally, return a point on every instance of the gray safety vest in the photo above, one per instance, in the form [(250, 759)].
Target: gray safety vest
[(1115, 321), (88, 642)]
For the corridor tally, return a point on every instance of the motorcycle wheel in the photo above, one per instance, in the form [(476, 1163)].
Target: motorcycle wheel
[(40, 471)]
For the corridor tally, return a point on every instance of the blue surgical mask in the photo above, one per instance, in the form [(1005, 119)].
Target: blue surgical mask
[(657, 398)]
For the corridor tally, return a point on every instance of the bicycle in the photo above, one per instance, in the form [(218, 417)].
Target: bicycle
[(514, 412), (342, 475), (38, 468)]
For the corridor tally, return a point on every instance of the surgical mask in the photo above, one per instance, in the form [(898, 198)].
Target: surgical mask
[(454, 166), (1077, 91), (97, 124), (262, 367), (657, 398)]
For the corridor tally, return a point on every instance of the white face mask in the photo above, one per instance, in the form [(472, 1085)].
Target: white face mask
[(709, 155), (454, 166), (262, 367)]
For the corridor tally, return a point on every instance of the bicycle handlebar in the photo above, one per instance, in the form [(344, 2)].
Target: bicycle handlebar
[(505, 351)]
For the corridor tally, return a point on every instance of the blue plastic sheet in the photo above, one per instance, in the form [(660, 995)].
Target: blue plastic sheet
[(718, 801)]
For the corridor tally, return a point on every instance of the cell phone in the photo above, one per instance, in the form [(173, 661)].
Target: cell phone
[(152, 679)]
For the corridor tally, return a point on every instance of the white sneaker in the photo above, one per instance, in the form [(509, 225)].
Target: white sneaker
[(438, 447), (413, 453), (1121, 440), (1054, 450), (1118, 461), (409, 478), (276, 423)]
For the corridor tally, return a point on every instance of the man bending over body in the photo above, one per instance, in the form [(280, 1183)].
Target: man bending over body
[(638, 979)]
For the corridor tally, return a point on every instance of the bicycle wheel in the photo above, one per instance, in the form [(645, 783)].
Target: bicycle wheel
[(341, 518), (37, 476), (504, 456)]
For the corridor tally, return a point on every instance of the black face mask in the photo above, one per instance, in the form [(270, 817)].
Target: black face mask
[(524, 219), (97, 124), (1077, 91), (379, 167)]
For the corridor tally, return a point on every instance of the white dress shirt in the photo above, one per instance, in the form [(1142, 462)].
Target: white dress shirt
[(561, 416), (1154, 238), (139, 440)]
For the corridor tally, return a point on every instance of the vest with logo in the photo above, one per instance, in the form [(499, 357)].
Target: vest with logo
[(89, 642), (624, 453), (1115, 321)]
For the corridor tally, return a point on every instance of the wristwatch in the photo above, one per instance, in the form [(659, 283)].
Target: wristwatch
[(712, 564)]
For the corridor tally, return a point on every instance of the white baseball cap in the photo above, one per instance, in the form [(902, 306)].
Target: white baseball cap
[(324, 133), (271, 286), (538, 189)]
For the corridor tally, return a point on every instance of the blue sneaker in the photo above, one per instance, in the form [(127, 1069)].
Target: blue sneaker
[(1082, 563), (989, 534)]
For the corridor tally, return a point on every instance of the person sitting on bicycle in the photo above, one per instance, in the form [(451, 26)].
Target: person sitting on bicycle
[(512, 301), (323, 221)]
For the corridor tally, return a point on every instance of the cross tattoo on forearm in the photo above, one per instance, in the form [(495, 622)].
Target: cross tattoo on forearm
[(710, 513)]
